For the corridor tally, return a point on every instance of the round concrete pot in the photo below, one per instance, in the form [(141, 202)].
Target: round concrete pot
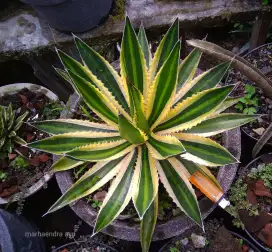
[(16, 234), (72, 15), (11, 89), (176, 226)]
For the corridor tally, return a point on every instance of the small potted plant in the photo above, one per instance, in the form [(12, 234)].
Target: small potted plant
[(251, 196), (154, 124), (70, 15), (23, 172)]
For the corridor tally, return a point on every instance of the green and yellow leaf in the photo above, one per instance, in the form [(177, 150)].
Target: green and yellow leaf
[(101, 151), (64, 164), (204, 151), (163, 51), (188, 67), (63, 143), (193, 110), (175, 179), (148, 224), (130, 132), (145, 45), (104, 72), (145, 181), (220, 123), (163, 147), (163, 89), (118, 196), (95, 100), (230, 101), (61, 126), (206, 80), (133, 66), (97, 176), (137, 103)]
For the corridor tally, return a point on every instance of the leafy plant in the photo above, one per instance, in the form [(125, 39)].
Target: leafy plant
[(158, 118), (264, 172), (52, 110), (3, 175), (9, 125), (249, 102), (19, 163), (238, 196)]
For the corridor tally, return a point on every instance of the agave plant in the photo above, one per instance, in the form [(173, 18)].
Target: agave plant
[(9, 124), (158, 118)]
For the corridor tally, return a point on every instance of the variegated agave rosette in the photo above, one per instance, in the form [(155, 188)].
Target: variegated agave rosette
[(157, 119)]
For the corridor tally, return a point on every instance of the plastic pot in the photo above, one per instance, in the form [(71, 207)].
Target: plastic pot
[(11, 89), (16, 234), (123, 229), (80, 243), (72, 15)]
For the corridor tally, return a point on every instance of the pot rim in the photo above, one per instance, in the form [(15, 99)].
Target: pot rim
[(43, 2), (173, 227), (11, 89)]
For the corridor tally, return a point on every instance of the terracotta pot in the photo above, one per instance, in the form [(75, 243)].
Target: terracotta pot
[(177, 225), (11, 89)]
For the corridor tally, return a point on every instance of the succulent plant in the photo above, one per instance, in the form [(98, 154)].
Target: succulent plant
[(9, 125), (158, 118)]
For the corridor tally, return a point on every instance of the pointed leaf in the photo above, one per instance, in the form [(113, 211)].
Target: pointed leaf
[(230, 101), (66, 77), (204, 151), (163, 51), (148, 224), (133, 66), (145, 181), (64, 164), (207, 80), (176, 182), (130, 132), (92, 180), (118, 195), (60, 144), (61, 126), (103, 71), (18, 140), (138, 109), (163, 147), (163, 89), (188, 67), (103, 151), (220, 123), (194, 110), (144, 44), (95, 100)]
